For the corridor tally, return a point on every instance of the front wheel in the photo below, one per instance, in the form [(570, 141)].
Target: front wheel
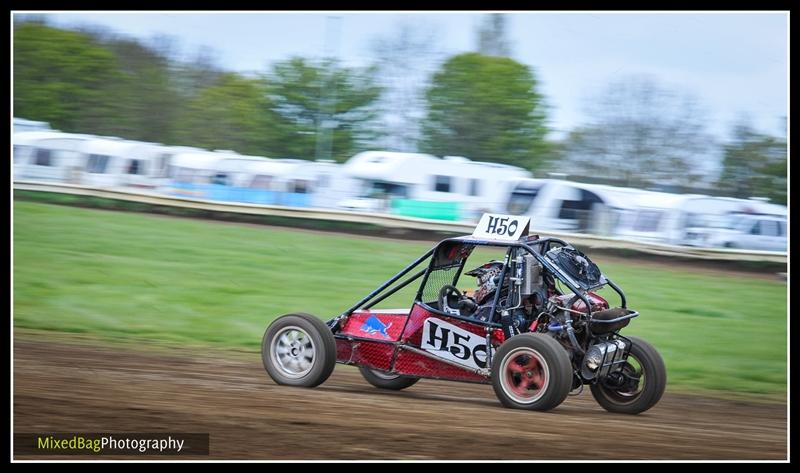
[(383, 380), (298, 350), (531, 371), (638, 386)]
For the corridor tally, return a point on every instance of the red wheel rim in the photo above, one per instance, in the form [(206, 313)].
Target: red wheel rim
[(525, 375)]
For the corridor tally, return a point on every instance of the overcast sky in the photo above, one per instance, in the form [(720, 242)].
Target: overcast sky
[(734, 63)]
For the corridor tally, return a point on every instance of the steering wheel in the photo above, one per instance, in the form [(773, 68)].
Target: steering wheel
[(464, 303)]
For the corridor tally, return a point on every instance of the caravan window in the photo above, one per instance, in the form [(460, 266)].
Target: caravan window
[(300, 186), (220, 178), (580, 209), (441, 183), (781, 228), (521, 199), (770, 228), (97, 163), (382, 190), (262, 182), (647, 220), (474, 187), (135, 166), (43, 157)]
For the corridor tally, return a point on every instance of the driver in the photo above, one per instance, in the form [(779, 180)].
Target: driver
[(487, 276)]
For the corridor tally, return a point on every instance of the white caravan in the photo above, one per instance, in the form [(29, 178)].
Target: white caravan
[(683, 219), (22, 125), (291, 182), (386, 179), (114, 162), (49, 156), (572, 207), (326, 181), (758, 225), (195, 166)]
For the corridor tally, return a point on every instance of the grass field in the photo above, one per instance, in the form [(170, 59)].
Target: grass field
[(141, 277)]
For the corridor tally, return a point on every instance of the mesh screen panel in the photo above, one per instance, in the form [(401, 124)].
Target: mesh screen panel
[(437, 279)]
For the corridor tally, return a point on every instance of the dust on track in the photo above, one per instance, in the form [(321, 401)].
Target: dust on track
[(75, 384)]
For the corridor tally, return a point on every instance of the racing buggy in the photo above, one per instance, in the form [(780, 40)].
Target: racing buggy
[(535, 327)]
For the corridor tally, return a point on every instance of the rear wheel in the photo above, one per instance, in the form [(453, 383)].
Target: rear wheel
[(638, 386), (531, 371), (383, 380), (298, 350)]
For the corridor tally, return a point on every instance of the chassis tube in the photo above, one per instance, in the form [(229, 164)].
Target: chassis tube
[(388, 283), (503, 320), (397, 288), (619, 291)]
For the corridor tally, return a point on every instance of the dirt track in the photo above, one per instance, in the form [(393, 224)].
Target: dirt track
[(74, 385)]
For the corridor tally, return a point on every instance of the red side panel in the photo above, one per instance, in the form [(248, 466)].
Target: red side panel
[(413, 332), (362, 353), (344, 350), (386, 327), (383, 326), (379, 325), (414, 364)]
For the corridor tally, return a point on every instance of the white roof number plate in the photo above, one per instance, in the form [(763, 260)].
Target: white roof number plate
[(502, 227)]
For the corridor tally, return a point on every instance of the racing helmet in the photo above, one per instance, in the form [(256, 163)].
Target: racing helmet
[(487, 276)]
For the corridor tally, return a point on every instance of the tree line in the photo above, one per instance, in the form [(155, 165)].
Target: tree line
[(483, 105)]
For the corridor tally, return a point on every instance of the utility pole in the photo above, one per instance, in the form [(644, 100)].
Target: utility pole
[(325, 120)]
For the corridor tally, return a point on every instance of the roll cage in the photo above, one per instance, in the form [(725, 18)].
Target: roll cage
[(452, 253)]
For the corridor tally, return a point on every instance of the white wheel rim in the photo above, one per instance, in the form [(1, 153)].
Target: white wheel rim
[(293, 352), (524, 375)]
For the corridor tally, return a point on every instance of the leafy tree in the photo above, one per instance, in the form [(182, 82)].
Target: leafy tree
[(65, 78), (233, 113), (306, 96), (754, 165), (145, 96), (640, 134), (192, 76), (486, 108)]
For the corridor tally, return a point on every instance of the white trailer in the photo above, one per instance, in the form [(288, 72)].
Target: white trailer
[(49, 156), (327, 182), (22, 125), (756, 224), (573, 207), (190, 171), (291, 182), (683, 219), (115, 162), (418, 180)]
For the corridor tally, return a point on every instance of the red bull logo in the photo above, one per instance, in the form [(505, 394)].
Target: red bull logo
[(375, 325)]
